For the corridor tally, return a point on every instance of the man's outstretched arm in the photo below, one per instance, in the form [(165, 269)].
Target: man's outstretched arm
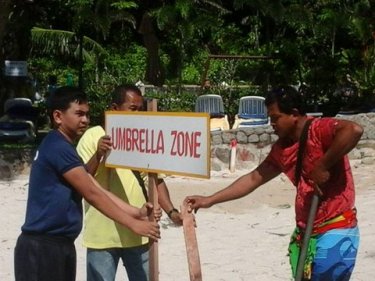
[(239, 188)]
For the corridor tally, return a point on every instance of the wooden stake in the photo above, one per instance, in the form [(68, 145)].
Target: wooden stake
[(191, 244), (233, 148)]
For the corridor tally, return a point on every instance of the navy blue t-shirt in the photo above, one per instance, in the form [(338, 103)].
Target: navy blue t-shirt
[(54, 207)]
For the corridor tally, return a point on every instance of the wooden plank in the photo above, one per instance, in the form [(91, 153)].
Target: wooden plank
[(191, 244)]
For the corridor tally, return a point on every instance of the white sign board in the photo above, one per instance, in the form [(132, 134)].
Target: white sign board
[(15, 68), (160, 142)]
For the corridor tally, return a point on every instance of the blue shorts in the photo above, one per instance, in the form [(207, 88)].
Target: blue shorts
[(336, 252)]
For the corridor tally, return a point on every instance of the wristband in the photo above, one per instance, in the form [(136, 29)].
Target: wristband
[(171, 211)]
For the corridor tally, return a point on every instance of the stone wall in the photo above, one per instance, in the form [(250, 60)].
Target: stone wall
[(253, 145), (14, 162)]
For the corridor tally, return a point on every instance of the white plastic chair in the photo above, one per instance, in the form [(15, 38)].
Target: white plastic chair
[(252, 112)]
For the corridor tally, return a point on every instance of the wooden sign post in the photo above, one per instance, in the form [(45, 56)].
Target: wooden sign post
[(153, 198)]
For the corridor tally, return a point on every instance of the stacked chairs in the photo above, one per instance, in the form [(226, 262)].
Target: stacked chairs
[(252, 112), (213, 104)]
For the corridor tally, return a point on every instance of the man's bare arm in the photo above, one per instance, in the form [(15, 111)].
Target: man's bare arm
[(241, 187), (104, 145), (246, 184), (346, 138), (166, 202), (101, 200)]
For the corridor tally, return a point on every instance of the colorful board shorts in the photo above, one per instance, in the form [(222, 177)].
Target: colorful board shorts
[(336, 252), (331, 255)]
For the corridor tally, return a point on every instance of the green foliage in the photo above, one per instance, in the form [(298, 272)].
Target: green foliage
[(318, 43), (172, 100), (66, 44), (129, 67), (16, 146), (120, 5)]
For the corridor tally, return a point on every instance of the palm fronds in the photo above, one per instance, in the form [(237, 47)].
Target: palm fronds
[(64, 43)]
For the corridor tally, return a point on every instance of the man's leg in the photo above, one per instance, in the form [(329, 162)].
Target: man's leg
[(336, 253), (135, 260), (101, 264)]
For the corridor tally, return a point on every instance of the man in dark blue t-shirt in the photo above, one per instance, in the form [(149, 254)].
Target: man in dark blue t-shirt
[(56, 207), (58, 180)]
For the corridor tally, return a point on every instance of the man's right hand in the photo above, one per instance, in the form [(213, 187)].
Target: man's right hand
[(104, 145), (146, 228), (196, 201)]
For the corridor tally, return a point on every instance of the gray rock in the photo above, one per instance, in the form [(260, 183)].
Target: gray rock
[(216, 139), (6, 171), (228, 136), (223, 154), (367, 161), (264, 138), (253, 138), (215, 166), (241, 137)]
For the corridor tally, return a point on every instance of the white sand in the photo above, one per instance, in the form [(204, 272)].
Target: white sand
[(240, 240)]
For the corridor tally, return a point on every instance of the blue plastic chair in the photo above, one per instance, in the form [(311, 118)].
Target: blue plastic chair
[(213, 104), (18, 122), (251, 112)]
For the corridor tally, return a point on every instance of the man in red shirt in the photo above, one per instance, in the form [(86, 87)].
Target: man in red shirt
[(325, 169)]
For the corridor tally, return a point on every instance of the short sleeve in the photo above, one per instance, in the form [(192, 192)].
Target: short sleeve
[(65, 158), (325, 130)]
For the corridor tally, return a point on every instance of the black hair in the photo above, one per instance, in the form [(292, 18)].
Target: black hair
[(119, 94), (62, 97), (287, 98)]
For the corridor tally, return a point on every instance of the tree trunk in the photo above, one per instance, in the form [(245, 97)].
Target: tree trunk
[(80, 70), (5, 8), (333, 42), (15, 45), (154, 72), (4, 13)]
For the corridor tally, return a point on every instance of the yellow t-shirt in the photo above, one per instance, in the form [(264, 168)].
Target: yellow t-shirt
[(100, 232)]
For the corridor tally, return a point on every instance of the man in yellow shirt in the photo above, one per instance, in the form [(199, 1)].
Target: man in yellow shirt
[(107, 242)]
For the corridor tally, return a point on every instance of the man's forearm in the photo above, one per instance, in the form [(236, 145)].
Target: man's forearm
[(245, 184), (98, 197), (93, 164), (240, 188), (164, 198), (131, 210)]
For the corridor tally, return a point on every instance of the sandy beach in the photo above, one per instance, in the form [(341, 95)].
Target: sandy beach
[(244, 239)]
